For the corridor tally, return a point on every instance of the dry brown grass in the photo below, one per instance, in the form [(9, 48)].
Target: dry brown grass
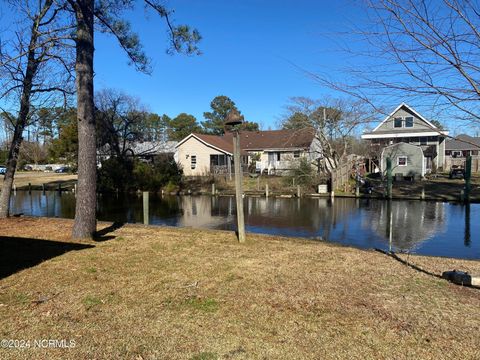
[(167, 293), (38, 178)]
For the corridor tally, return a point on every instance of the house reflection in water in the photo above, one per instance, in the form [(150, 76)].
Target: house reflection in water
[(423, 227), (405, 225), (291, 217), (207, 212)]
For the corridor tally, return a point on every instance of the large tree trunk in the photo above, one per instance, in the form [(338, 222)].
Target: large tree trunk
[(85, 209)]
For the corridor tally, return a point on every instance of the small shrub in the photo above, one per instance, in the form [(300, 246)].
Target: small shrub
[(303, 173), (126, 175)]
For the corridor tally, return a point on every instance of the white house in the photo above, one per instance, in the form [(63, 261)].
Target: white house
[(274, 151)]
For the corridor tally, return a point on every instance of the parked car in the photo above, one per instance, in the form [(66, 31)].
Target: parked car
[(63, 169), (3, 170), (28, 168), (457, 173)]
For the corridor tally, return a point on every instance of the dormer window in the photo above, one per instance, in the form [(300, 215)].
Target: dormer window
[(397, 122), (409, 122)]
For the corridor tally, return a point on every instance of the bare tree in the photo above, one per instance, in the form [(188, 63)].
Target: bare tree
[(417, 50), (121, 120), (334, 121), (33, 65)]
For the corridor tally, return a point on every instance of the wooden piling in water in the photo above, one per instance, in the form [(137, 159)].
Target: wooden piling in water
[(213, 188), (299, 193), (145, 207), (266, 190), (29, 188)]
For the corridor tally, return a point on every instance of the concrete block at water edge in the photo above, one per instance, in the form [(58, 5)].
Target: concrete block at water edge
[(322, 189)]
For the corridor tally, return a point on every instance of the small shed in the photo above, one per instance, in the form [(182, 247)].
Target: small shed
[(407, 159)]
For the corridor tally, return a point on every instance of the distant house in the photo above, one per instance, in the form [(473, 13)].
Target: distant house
[(462, 146), (145, 150), (457, 150), (272, 152), (407, 126)]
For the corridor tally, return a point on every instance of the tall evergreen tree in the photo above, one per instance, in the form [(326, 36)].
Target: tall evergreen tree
[(215, 119)]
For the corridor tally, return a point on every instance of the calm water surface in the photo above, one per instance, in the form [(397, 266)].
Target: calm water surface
[(427, 228)]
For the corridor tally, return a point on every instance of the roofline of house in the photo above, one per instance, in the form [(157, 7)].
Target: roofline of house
[(276, 149), (203, 142), (409, 108), (401, 135)]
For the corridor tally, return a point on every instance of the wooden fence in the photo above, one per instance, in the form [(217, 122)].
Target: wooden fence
[(343, 173), (460, 162)]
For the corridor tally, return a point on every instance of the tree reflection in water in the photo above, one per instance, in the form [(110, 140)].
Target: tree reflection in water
[(430, 228)]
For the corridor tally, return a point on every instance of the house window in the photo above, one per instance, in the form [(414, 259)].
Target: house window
[(278, 156), (409, 122), (296, 154), (193, 162), (402, 161), (423, 140), (397, 122)]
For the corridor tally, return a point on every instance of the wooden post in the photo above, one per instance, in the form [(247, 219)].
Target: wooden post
[(229, 162), (59, 187), (389, 178), (332, 185), (213, 188), (468, 176), (43, 188), (299, 193), (238, 187), (145, 208), (14, 189), (422, 196), (266, 190), (29, 188), (390, 225), (258, 183)]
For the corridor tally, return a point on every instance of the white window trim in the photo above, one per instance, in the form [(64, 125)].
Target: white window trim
[(404, 122), (401, 119), (398, 160), (193, 165)]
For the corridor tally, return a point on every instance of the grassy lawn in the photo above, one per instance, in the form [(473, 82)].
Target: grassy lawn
[(37, 178), (167, 293)]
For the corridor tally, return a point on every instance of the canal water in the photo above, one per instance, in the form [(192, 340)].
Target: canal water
[(418, 227)]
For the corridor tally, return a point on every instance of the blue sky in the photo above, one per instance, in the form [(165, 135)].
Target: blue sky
[(256, 52), (251, 50)]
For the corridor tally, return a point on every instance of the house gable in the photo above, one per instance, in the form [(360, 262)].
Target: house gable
[(403, 112), (420, 125)]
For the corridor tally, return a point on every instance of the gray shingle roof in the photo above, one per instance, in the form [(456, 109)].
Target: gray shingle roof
[(467, 144)]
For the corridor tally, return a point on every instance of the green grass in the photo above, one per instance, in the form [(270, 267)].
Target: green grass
[(207, 305), (91, 301)]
